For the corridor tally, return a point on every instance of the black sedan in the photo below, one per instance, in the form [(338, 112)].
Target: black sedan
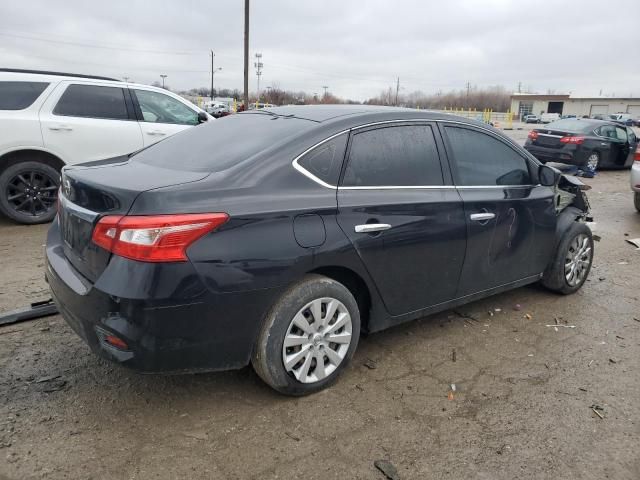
[(584, 142), (276, 236)]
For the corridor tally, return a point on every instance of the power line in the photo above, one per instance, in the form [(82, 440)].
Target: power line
[(258, 65), (93, 45)]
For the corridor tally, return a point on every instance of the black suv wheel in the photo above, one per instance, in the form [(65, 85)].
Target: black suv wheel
[(29, 192)]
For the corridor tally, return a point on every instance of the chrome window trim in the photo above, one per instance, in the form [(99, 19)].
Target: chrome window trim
[(322, 183), (401, 187), (306, 172)]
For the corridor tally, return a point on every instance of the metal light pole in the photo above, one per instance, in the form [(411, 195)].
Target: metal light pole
[(163, 77), (246, 54)]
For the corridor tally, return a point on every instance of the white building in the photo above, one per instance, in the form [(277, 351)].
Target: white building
[(524, 103)]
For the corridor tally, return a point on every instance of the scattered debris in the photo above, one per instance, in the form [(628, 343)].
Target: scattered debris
[(517, 307), (54, 386), (582, 389), (490, 313), (370, 364), (453, 387), (595, 409), (590, 363), (596, 238), (502, 449), (602, 278), (612, 360), (623, 263), (528, 316), (561, 326), (497, 309), (359, 387), (453, 355), (196, 435), (47, 379), (387, 468), (292, 436), (634, 241)]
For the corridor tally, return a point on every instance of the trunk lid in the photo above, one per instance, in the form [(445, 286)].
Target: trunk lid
[(551, 138), (89, 192)]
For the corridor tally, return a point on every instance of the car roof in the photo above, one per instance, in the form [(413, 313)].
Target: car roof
[(21, 75)]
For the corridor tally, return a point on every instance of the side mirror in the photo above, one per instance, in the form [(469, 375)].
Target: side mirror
[(202, 117), (548, 176)]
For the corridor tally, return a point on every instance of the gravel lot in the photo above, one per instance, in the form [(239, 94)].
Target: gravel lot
[(522, 406)]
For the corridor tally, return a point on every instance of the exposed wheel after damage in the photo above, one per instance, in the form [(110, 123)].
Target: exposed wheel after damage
[(308, 337), (29, 191), (572, 263), (592, 162)]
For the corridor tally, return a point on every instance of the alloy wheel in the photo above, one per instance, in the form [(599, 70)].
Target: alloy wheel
[(317, 340), (577, 260), (592, 161), (32, 193)]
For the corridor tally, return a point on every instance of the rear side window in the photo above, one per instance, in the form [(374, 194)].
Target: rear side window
[(325, 161), (20, 95), (394, 156), (92, 101), (483, 160)]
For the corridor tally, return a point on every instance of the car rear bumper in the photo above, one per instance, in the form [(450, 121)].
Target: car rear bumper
[(561, 155), (205, 332)]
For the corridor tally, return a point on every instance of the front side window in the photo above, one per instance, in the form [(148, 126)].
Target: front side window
[(92, 101), (482, 160), (325, 161), (160, 108), (20, 95), (394, 156)]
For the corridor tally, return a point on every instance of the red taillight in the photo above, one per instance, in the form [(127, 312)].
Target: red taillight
[(116, 342), (572, 140), (533, 135), (636, 157), (158, 238)]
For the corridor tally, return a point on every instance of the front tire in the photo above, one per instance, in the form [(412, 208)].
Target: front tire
[(29, 192), (308, 337), (571, 266)]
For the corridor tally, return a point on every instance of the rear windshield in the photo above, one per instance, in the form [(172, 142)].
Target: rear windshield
[(570, 125), (220, 144), (19, 95)]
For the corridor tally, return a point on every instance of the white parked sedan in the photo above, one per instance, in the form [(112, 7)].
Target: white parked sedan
[(50, 119)]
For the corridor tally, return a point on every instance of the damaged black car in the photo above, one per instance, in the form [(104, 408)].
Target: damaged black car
[(275, 237)]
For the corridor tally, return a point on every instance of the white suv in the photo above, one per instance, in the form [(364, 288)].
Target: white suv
[(49, 119)]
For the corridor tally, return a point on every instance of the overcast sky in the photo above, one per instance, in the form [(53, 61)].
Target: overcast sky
[(356, 48)]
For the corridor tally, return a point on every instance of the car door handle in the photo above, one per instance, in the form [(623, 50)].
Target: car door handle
[(372, 227), (155, 132), (58, 128), (481, 217)]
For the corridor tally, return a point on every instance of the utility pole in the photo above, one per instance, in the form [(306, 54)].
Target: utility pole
[(246, 54), (258, 66), (163, 77), (213, 72), (519, 87), (397, 90), (325, 89), (126, 79)]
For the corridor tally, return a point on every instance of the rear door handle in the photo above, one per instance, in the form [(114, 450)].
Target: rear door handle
[(482, 217), (155, 132), (58, 128), (372, 227)]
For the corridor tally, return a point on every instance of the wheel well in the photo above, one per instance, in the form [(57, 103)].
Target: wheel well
[(18, 156), (355, 284)]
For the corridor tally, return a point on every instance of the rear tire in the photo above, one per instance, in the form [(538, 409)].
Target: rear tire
[(29, 192), (308, 316), (636, 201), (592, 162), (571, 266)]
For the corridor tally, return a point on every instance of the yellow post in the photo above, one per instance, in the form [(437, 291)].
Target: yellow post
[(235, 105)]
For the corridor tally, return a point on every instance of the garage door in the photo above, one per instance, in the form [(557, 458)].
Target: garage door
[(599, 109), (634, 110)]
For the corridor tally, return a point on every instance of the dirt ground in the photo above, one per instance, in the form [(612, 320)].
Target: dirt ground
[(522, 406)]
